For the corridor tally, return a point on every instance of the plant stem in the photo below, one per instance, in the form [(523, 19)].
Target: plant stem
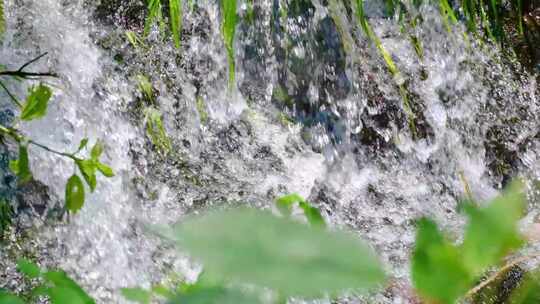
[(11, 96), (73, 157)]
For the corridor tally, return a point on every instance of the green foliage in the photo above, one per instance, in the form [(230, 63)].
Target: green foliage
[(286, 203), (36, 103), (138, 295), (202, 294), (529, 291), (156, 131), (228, 28), (74, 193), (21, 166), (56, 285), (155, 14), (443, 272), (146, 88), (255, 247), (437, 269), (6, 298)]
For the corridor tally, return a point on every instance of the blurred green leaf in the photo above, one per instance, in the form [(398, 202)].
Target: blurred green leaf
[(36, 103), (437, 269), (74, 193), (175, 10), (249, 246), (138, 295), (21, 167), (88, 169), (65, 290), (6, 298), (529, 290), (215, 295), (29, 269), (492, 231)]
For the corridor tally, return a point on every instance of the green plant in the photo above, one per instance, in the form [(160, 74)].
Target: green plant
[(56, 285), (35, 107), (155, 14), (152, 117), (443, 272)]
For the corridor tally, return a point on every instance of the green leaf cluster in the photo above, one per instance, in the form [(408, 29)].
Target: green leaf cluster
[(443, 272), (56, 285), (156, 131)]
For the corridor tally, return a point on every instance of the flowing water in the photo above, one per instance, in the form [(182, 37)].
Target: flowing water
[(314, 111)]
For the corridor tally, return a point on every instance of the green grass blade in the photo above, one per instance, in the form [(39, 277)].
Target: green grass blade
[(175, 9), (2, 18), (229, 30)]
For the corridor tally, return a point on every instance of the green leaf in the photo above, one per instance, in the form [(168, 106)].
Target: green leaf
[(74, 193), (437, 269), (36, 103), (249, 246), (29, 269), (96, 151), (65, 290), (6, 298), (88, 169), (82, 145), (312, 214), (215, 295), (175, 9), (62, 295), (21, 167), (229, 29), (492, 231), (286, 203), (138, 295), (105, 170)]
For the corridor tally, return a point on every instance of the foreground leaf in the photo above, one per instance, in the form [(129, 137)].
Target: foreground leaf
[(138, 295), (65, 290), (36, 103), (74, 193), (6, 298), (492, 232), (249, 246), (29, 269), (437, 270), (215, 295)]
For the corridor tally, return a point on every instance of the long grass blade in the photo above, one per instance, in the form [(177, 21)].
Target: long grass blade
[(175, 9)]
